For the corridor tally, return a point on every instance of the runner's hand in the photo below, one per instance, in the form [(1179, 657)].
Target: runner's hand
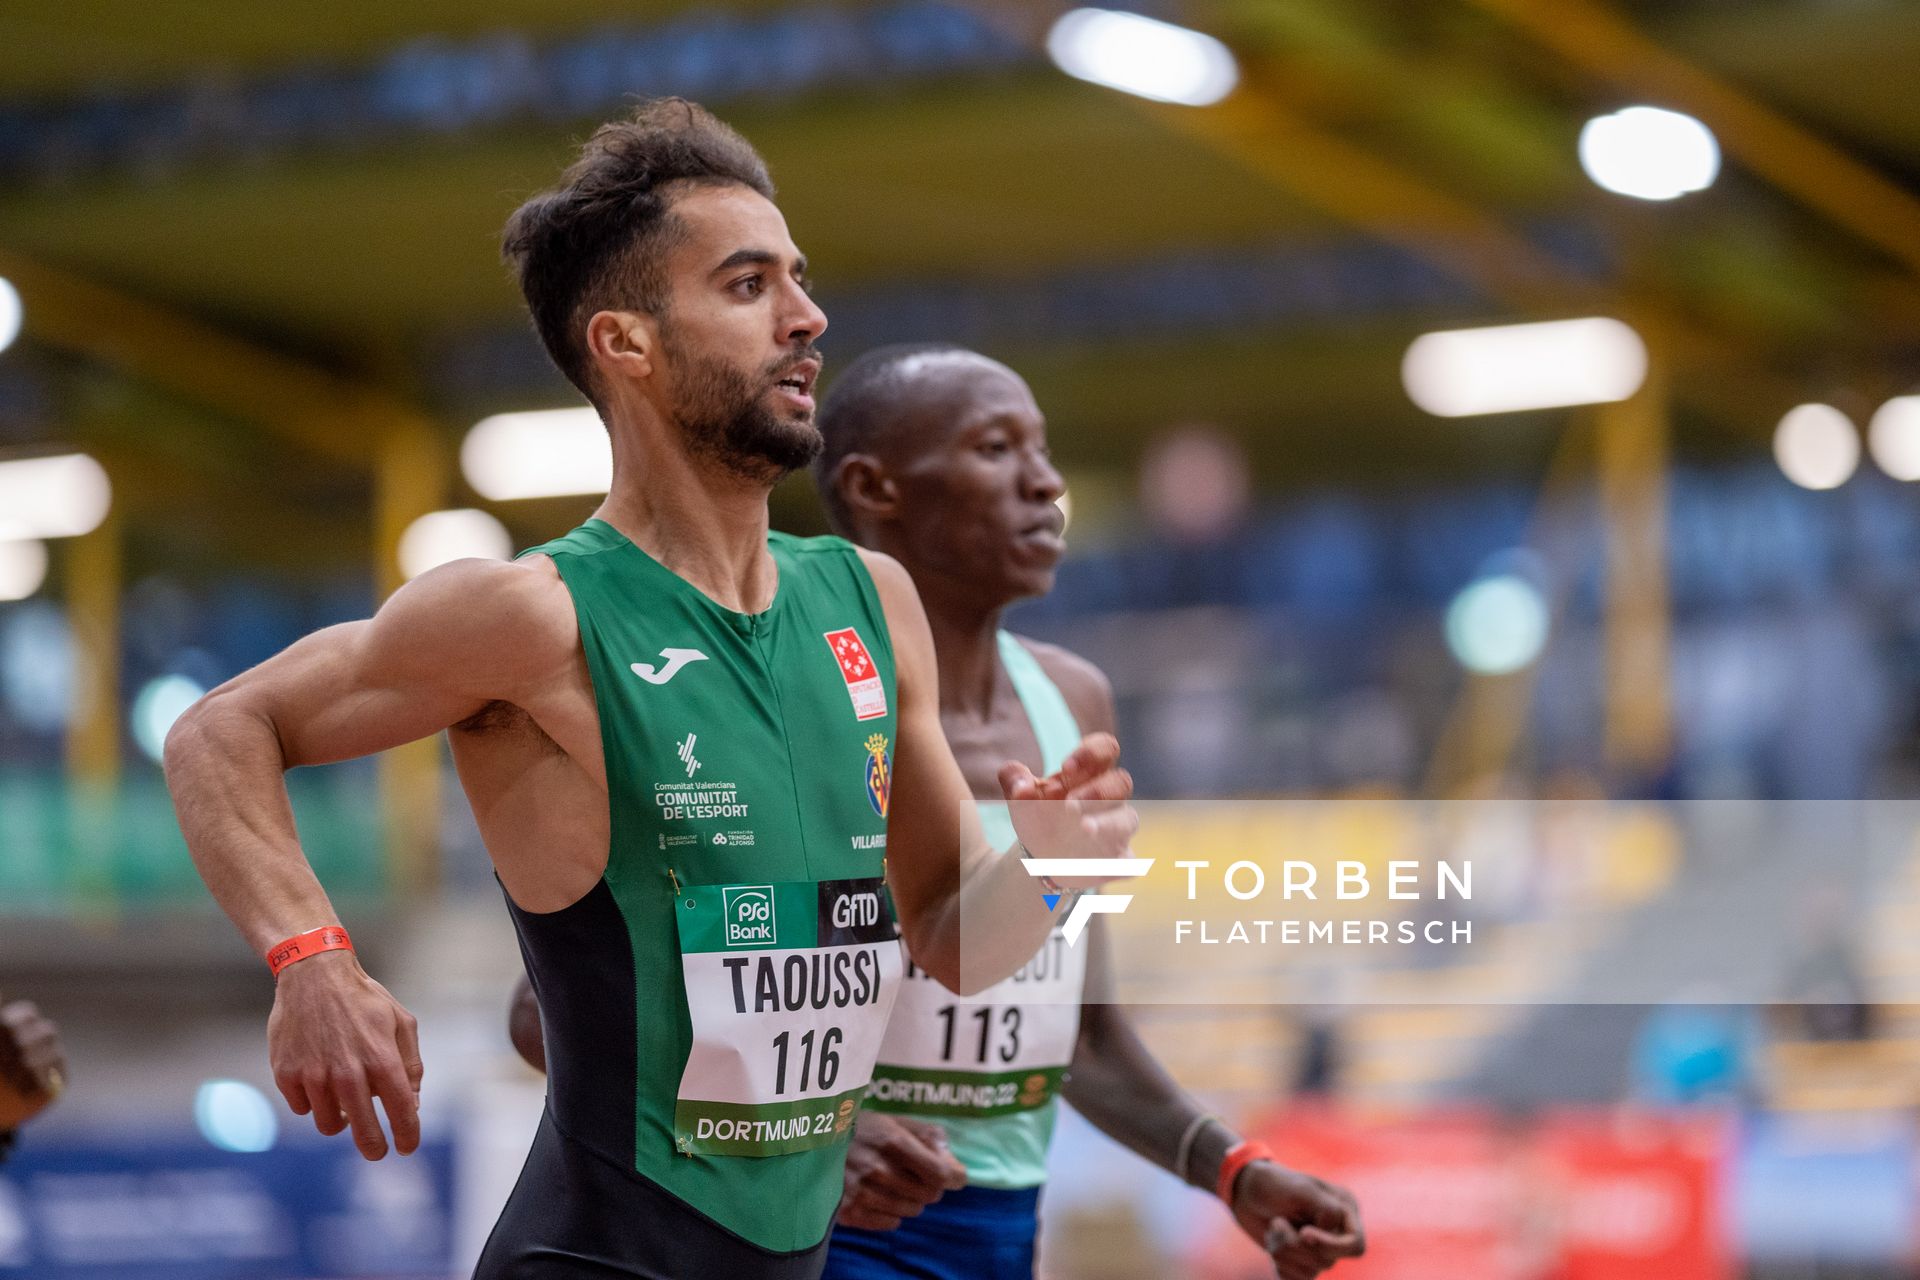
[(32, 1065), (1089, 816), (895, 1168), (337, 1040), (1304, 1224)]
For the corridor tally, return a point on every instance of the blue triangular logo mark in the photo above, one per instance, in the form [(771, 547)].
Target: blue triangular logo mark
[(1053, 900)]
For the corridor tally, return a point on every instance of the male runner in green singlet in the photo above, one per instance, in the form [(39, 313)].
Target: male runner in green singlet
[(937, 456), (701, 754)]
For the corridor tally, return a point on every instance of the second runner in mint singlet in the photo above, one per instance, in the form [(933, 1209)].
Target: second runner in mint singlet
[(988, 1068), (938, 457), (717, 1001)]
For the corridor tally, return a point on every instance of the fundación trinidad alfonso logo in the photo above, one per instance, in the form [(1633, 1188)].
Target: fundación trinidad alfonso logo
[(1087, 905), (879, 773), (748, 912)]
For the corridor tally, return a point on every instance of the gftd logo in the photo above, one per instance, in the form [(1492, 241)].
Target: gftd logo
[(1087, 905)]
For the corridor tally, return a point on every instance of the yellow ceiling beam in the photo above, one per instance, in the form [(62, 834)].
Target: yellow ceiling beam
[(1256, 129), (325, 415), (1357, 187), (1797, 161)]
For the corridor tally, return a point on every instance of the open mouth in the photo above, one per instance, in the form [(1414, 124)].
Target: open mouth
[(800, 381)]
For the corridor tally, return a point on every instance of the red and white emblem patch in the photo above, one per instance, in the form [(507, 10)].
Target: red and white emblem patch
[(862, 677)]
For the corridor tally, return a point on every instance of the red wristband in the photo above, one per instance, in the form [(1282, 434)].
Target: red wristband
[(301, 945), (1237, 1159)]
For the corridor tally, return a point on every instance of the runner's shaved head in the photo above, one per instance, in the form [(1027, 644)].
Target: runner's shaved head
[(892, 394)]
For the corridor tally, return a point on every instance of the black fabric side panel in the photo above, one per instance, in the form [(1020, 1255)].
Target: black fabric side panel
[(581, 965), (573, 1216)]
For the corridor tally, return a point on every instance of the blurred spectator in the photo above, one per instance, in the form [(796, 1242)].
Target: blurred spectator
[(1195, 486), (33, 1067), (1317, 1069), (1825, 986)]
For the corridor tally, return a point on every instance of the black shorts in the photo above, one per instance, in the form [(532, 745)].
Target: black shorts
[(576, 1216)]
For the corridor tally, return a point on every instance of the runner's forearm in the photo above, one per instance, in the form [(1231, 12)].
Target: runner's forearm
[(1123, 1091), (990, 925), (227, 773)]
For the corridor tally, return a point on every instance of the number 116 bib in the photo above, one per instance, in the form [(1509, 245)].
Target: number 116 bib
[(789, 986)]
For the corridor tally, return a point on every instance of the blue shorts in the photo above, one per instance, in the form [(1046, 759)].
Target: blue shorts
[(975, 1233)]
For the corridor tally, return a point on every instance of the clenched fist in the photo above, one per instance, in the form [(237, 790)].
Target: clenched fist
[(895, 1168)]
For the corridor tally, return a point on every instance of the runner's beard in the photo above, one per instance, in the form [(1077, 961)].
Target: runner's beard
[(724, 417)]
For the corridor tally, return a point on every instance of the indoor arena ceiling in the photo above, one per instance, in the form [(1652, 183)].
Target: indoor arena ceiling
[(1390, 165)]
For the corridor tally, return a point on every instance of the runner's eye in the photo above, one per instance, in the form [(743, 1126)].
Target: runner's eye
[(749, 286)]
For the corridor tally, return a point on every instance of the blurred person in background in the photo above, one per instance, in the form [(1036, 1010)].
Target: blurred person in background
[(698, 1114), (937, 457), (33, 1068), (1826, 985)]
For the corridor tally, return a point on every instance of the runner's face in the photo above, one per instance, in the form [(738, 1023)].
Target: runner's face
[(737, 336), (978, 492)]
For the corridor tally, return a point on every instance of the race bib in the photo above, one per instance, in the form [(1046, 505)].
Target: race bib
[(788, 988), (1001, 1051)]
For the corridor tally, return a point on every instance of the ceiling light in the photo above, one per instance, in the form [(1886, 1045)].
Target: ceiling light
[(1649, 153), (23, 567), (1894, 437), (441, 537), (1816, 446), (1143, 56), (11, 313), (59, 497), (1509, 368), (549, 453)]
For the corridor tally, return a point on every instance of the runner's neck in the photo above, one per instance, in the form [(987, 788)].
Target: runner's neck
[(705, 525), (966, 639)]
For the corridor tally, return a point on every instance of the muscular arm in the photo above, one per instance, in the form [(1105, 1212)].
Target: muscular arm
[(441, 648), (939, 865)]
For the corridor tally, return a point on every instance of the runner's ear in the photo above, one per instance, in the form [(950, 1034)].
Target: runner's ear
[(865, 487)]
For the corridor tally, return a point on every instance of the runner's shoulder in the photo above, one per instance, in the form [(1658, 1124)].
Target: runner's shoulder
[(497, 611), (1088, 692), (891, 581)]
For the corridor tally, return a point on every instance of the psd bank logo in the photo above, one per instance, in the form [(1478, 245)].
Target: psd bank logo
[(748, 912), (1087, 905)]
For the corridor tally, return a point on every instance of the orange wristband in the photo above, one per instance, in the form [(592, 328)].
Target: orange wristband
[(1237, 1159), (301, 945)]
